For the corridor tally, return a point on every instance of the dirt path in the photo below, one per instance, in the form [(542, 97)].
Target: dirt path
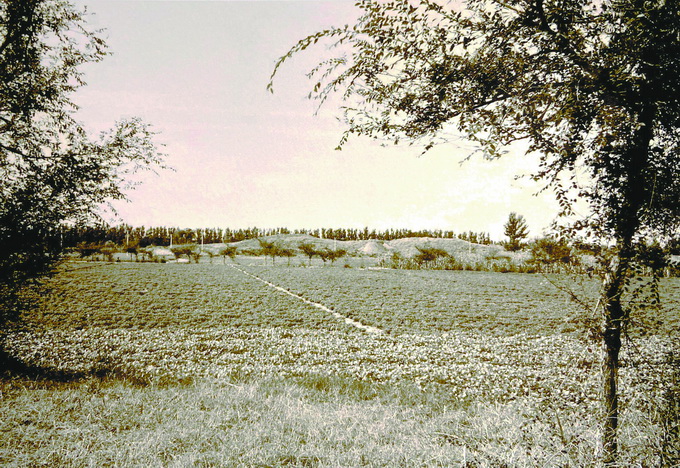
[(347, 320)]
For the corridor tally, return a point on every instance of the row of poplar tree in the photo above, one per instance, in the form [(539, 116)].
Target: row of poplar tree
[(125, 234)]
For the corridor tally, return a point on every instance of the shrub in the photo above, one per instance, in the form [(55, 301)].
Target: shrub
[(87, 249), (549, 254), (428, 256), (191, 251)]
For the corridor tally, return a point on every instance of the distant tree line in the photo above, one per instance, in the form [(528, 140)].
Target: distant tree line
[(125, 235), (548, 254)]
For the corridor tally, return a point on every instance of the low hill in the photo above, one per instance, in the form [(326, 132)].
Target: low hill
[(286, 241), (406, 247)]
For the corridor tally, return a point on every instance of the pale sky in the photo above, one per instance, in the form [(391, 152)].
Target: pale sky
[(197, 72)]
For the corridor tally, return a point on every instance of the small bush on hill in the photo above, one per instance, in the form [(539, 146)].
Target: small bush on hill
[(429, 256)]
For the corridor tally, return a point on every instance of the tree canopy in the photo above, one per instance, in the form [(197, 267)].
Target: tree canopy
[(517, 230), (589, 84), (51, 170)]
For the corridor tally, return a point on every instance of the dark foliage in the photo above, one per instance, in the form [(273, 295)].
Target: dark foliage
[(51, 172)]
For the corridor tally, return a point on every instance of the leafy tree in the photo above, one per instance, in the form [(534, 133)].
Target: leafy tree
[(51, 171), (475, 238), (108, 249), (88, 250), (287, 253), (228, 251), (309, 250), (146, 253), (590, 85), (673, 246), (517, 230), (132, 251), (396, 260), (651, 256), (325, 254), (332, 255), (191, 251), (132, 248), (195, 254), (270, 249)]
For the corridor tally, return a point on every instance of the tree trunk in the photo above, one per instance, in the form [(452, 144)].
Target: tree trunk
[(612, 342), (614, 285), (627, 219)]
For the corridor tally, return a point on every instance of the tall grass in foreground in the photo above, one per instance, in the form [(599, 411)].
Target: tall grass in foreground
[(304, 422)]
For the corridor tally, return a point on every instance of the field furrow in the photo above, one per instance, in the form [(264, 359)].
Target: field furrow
[(401, 301), (404, 301), (322, 307)]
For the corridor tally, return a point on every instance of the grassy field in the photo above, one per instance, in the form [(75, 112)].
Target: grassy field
[(203, 365)]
